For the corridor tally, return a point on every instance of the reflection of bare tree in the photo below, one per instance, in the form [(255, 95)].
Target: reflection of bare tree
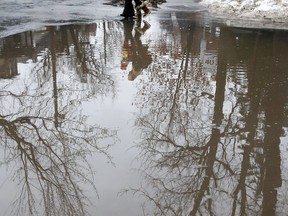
[(258, 180), (191, 162), (77, 48), (53, 161), (190, 159), (179, 145), (85, 56), (275, 100), (43, 130)]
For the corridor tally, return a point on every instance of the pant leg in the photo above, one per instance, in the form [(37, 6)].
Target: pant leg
[(138, 2), (128, 9)]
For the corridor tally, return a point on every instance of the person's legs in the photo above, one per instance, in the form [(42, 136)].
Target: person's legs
[(145, 9), (137, 2), (142, 6), (128, 9), (138, 10)]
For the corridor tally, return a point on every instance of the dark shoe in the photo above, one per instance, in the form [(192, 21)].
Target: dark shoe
[(132, 18), (127, 16), (147, 11)]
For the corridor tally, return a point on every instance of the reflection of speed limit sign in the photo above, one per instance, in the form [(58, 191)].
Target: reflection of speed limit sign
[(210, 61)]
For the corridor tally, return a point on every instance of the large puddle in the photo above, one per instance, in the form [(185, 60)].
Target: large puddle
[(161, 117)]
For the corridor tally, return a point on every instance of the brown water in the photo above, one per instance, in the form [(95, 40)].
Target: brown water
[(169, 117)]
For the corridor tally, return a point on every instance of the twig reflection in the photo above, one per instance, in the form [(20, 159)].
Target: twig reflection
[(43, 131), (228, 163)]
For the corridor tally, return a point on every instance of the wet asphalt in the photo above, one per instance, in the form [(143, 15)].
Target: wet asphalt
[(19, 16)]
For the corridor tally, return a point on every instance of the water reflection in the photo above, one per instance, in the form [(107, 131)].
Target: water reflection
[(133, 50), (211, 135), (45, 136), (211, 112)]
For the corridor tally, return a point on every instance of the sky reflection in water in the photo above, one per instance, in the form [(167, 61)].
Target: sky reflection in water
[(198, 109)]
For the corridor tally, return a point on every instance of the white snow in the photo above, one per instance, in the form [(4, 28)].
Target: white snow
[(274, 12)]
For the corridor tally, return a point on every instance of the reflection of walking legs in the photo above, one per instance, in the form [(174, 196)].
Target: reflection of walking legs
[(144, 28), (141, 56), (138, 14)]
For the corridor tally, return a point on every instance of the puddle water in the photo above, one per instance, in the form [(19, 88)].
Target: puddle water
[(159, 117)]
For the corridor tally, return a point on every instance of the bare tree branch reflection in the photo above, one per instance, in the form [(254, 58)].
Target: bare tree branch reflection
[(44, 134), (53, 161), (221, 155)]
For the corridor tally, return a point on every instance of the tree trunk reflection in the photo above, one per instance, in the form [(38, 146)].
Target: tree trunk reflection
[(218, 161)]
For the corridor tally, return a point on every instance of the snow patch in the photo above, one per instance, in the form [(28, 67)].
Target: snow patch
[(263, 10)]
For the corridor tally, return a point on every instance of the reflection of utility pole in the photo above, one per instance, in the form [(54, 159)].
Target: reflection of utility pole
[(64, 40), (272, 177), (182, 74), (104, 42), (80, 53), (215, 134), (254, 94), (54, 75), (274, 110)]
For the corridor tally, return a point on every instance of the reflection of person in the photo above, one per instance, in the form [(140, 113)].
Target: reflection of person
[(133, 50), (129, 11)]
